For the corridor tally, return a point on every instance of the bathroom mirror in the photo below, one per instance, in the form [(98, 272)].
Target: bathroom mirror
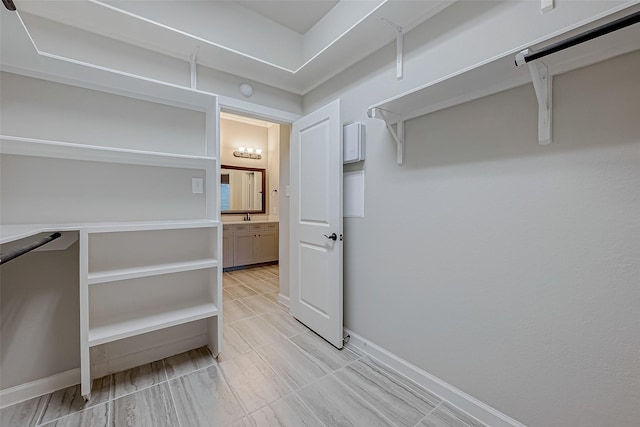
[(242, 190)]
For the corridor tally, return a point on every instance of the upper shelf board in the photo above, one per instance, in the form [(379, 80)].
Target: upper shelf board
[(13, 232), (66, 150), (500, 73)]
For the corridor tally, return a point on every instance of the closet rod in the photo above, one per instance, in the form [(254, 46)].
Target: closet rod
[(610, 27), (4, 258), (9, 5)]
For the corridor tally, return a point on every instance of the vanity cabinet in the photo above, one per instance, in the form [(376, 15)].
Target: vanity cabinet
[(251, 243), (227, 246)]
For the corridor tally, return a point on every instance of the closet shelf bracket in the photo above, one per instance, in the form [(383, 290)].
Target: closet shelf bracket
[(193, 62), (542, 84), (399, 47), (395, 126)]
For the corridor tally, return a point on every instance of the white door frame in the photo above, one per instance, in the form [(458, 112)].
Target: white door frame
[(241, 107)]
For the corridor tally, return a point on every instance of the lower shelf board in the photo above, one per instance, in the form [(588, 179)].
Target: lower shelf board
[(123, 327)]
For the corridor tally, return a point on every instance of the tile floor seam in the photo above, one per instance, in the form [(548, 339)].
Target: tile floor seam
[(294, 394), (55, 420), (305, 405), (384, 417), (173, 400), (445, 409), (426, 416), (233, 392), (195, 370), (409, 381), (44, 408), (134, 392), (279, 376), (285, 382), (293, 391)]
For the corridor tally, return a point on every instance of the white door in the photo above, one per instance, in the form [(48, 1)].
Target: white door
[(316, 222)]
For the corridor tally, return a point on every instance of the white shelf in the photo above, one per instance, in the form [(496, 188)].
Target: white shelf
[(12, 232), (147, 271), (499, 73), (107, 227), (67, 150), (119, 327)]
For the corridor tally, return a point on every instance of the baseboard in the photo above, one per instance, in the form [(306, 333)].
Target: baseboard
[(22, 392), (148, 355), (283, 299), (99, 369), (469, 404)]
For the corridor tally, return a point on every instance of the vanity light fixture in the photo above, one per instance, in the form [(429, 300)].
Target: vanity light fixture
[(248, 153)]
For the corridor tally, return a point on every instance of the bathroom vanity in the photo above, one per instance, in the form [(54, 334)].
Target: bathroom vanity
[(249, 242)]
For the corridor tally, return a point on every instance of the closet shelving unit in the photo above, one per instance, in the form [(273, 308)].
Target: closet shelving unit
[(136, 286), (500, 73), (139, 276)]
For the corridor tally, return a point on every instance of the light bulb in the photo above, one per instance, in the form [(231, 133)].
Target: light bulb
[(250, 150), (259, 151), (241, 149)]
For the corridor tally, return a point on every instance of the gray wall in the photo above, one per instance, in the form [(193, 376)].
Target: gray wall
[(507, 269), (40, 317), (510, 270)]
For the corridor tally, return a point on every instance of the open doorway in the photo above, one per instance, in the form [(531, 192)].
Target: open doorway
[(254, 159)]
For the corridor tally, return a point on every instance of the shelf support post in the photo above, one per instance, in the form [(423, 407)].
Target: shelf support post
[(399, 48), (194, 67), (395, 126), (542, 84)]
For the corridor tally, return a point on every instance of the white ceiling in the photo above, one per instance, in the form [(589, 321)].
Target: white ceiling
[(298, 16), (294, 45)]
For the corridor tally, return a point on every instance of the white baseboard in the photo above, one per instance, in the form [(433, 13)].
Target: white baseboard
[(157, 353), (22, 392), (122, 355), (283, 299), (469, 404)]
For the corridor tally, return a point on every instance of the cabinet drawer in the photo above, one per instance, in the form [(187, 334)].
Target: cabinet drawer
[(241, 227), (227, 228), (257, 227), (271, 226)]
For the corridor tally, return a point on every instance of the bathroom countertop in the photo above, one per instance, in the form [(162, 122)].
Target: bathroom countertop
[(253, 221)]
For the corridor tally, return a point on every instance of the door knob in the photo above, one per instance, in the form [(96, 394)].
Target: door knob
[(333, 236)]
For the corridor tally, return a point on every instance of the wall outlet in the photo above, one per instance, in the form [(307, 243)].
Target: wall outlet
[(287, 191), (546, 6), (197, 185)]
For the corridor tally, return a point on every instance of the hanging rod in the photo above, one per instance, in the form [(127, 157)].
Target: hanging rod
[(610, 27), (4, 258), (9, 5)]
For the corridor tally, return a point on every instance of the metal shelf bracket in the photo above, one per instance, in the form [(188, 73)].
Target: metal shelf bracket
[(542, 84), (395, 126)]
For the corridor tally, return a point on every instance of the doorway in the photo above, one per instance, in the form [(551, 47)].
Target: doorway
[(256, 234)]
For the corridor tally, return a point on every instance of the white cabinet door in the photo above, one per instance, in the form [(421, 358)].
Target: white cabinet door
[(316, 222)]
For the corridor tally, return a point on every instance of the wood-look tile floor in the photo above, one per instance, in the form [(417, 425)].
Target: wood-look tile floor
[(273, 372)]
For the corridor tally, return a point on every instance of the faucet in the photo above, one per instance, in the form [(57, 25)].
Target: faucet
[(247, 217)]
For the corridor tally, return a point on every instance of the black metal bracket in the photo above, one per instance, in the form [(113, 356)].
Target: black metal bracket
[(4, 258), (9, 5)]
